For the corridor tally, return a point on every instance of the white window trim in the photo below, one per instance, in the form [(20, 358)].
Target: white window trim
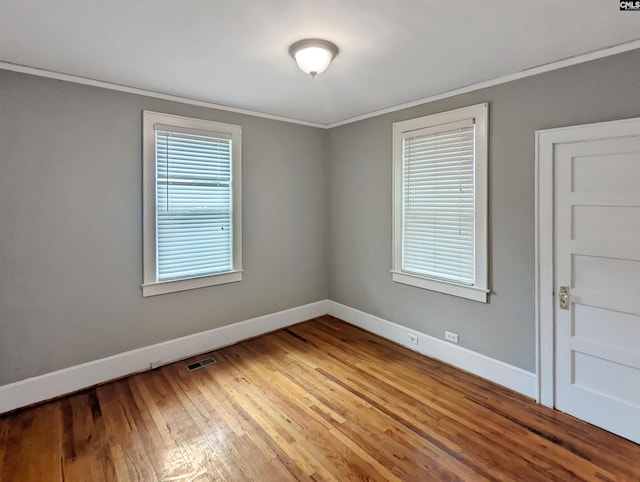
[(479, 114), (150, 285)]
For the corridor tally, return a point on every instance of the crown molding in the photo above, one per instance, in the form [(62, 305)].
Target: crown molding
[(50, 74), (559, 64)]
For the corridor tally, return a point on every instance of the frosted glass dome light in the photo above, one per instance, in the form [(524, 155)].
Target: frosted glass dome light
[(313, 56)]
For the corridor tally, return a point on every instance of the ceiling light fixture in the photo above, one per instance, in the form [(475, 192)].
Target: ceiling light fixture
[(312, 55)]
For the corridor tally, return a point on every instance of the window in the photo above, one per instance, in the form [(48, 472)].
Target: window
[(440, 202), (191, 203)]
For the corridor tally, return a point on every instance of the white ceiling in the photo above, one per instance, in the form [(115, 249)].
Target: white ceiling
[(234, 52)]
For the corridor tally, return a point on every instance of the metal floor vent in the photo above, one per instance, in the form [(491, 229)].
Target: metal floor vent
[(200, 364)]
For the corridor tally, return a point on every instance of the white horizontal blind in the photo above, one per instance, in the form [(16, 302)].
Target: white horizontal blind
[(193, 204), (438, 205)]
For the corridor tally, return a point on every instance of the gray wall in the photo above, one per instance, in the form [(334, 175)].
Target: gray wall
[(316, 220), (359, 182), (71, 232)]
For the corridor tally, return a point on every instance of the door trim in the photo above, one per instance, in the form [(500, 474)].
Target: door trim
[(546, 140)]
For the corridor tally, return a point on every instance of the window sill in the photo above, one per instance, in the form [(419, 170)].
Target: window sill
[(153, 289), (469, 292)]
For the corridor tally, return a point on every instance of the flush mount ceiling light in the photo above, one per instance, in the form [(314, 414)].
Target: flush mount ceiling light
[(312, 55)]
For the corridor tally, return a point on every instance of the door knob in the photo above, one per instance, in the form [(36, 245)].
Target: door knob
[(563, 296)]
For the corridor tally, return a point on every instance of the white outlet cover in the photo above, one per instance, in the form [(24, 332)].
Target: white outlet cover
[(452, 337)]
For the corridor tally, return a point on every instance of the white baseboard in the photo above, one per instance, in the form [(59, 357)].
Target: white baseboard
[(497, 371), (68, 380)]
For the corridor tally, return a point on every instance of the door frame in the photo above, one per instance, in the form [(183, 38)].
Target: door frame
[(546, 141)]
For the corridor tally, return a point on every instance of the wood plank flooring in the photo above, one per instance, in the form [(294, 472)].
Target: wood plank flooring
[(321, 400)]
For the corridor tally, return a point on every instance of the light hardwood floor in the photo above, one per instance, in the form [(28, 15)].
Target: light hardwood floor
[(321, 400)]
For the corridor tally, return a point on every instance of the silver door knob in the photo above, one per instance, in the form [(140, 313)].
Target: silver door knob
[(563, 296)]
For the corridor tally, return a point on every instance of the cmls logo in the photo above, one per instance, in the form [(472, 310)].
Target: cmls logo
[(630, 5)]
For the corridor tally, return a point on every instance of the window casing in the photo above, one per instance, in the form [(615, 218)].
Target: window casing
[(440, 184), (191, 203)]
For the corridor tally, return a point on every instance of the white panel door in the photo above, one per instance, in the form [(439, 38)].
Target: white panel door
[(597, 257)]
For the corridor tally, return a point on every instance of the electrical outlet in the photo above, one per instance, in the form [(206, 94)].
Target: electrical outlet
[(413, 339), (452, 337), (155, 364)]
